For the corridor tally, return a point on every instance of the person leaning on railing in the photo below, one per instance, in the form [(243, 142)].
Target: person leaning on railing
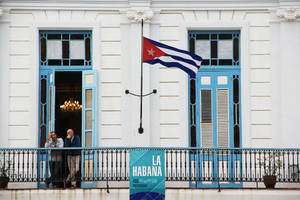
[(73, 156), (55, 161)]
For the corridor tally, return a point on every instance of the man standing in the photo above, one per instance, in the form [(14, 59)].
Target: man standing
[(55, 158), (73, 156)]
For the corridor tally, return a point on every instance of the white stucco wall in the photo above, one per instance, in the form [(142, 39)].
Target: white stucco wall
[(171, 194), (268, 82)]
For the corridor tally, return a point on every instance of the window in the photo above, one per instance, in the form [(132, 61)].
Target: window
[(65, 48), (216, 48), (215, 92)]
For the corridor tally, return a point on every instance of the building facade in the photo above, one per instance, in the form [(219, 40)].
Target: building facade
[(244, 95)]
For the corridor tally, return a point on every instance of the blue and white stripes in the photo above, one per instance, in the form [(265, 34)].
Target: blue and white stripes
[(174, 57)]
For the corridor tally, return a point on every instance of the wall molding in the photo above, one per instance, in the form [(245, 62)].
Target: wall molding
[(288, 14), (137, 15)]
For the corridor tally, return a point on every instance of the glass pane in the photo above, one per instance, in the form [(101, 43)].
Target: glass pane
[(43, 90), (89, 78), (205, 80), (192, 91), (193, 136), (43, 136), (41, 113), (66, 62), (77, 62), (192, 45), (225, 49), (214, 49), (202, 36), (225, 62), (236, 49), (77, 48), (214, 62), (88, 139), (234, 114), (205, 62), (88, 98), (65, 49), (65, 36), (54, 49), (222, 80), (236, 136), (77, 36), (213, 36), (205, 106), (203, 48), (54, 36), (236, 90), (54, 62), (87, 49), (225, 36), (43, 49), (88, 120), (50, 106)]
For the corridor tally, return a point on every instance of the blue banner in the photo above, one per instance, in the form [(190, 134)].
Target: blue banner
[(147, 175)]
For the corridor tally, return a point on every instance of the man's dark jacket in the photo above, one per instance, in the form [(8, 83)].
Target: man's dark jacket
[(73, 143)]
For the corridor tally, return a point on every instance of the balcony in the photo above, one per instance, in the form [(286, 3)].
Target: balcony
[(184, 167)]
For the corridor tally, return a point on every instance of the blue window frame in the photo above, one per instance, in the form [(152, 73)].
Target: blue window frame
[(65, 49), (214, 99), (220, 51)]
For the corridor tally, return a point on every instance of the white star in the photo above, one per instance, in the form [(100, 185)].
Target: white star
[(151, 52)]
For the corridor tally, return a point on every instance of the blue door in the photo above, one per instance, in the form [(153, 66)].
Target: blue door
[(63, 51), (215, 109), (47, 121), (216, 123), (89, 127)]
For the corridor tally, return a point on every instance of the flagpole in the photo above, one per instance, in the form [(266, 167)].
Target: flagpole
[(141, 130)]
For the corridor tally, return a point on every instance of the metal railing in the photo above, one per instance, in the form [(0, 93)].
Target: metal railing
[(181, 164)]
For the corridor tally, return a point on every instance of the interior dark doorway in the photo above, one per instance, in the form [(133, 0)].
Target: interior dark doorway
[(68, 87)]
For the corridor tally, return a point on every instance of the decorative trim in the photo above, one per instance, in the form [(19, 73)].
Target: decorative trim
[(288, 14), (137, 15)]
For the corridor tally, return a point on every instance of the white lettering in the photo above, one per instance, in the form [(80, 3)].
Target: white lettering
[(134, 171), (158, 160), (154, 171), (159, 172), (149, 171), (144, 171), (139, 171)]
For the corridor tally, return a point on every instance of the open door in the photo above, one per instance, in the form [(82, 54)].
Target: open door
[(47, 121), (89, 127)]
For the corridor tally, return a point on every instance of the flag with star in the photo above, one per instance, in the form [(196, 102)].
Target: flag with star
[(156, 52)]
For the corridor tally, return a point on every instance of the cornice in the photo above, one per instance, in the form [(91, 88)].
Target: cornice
[(154, 4)]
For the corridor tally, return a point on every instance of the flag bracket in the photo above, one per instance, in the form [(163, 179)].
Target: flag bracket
[(154, 91)]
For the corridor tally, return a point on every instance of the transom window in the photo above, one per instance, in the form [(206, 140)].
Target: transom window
[(65, 48), (216, 48)]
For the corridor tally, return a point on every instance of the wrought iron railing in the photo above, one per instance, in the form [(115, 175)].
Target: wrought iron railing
[(181, 164)]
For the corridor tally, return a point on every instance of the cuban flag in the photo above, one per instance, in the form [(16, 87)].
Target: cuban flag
[(155, 52)]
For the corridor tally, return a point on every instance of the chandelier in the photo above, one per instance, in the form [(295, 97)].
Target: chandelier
[(71, 106)]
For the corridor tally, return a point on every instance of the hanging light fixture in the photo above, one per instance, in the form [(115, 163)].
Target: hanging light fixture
[(71, 106)]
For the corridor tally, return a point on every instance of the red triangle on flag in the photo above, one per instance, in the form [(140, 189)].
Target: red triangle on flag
[(150, 51)]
